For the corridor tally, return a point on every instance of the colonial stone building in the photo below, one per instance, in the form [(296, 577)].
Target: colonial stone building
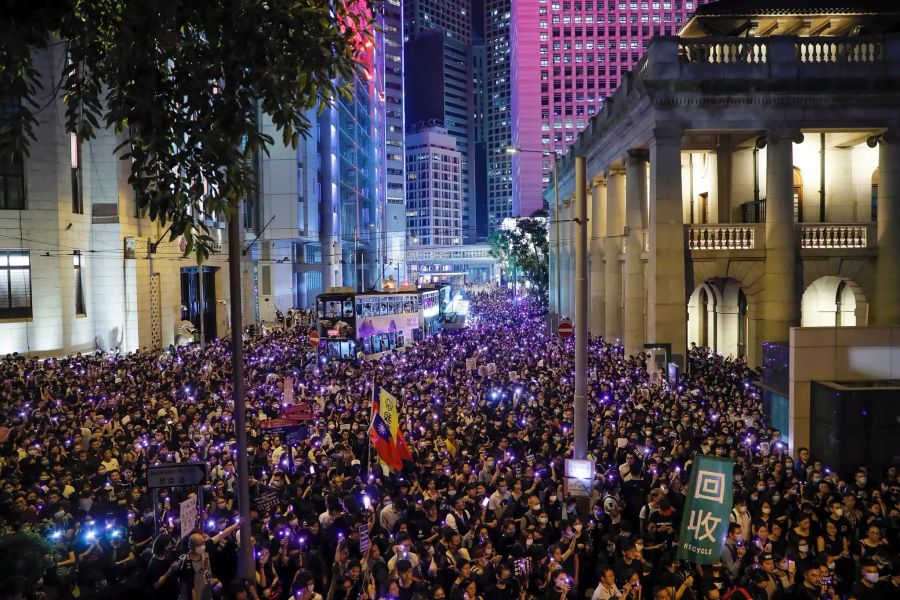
[(744, 179)]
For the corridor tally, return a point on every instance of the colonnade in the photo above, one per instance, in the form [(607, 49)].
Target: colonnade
[(639, 268)]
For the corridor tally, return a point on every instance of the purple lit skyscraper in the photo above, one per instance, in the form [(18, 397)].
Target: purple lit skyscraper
[(566, 57)]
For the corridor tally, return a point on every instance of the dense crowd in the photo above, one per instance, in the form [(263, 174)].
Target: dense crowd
[(480, 513)]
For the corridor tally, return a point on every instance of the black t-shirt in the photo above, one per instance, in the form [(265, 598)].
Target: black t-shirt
[(156, 569), (507, 593), (408, 593), (861, 591)]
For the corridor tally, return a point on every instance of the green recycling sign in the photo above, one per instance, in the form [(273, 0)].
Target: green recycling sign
[(704, 525)]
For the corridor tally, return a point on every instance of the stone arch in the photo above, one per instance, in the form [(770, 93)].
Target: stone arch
[(702, 315), (832, 301), (740, 286), (860, 270), (718, 317)]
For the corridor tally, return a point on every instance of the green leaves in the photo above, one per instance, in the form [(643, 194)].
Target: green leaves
[(183, 84), (523, 243)]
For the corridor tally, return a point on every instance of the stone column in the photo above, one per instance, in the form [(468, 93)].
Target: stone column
[(567, 248), (597, 238), (887, 265), (666, 284), (635, 201), (781, 281), (723, 177), (615, 223), (551, 273)]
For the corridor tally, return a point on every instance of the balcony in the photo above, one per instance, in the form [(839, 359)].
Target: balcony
[(814, 238), (726, 236), (770, 58), (844, 236)]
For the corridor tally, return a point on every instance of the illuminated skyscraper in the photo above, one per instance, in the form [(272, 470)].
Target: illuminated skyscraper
[(439, 80), (566, 57)]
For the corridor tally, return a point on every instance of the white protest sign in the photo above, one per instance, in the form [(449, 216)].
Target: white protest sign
[(189, 516)]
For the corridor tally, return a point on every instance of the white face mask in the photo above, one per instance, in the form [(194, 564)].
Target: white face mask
[(871, 577), (803, 548)]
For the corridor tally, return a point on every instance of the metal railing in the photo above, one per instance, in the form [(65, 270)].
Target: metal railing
[(834, 235), (726, 236)]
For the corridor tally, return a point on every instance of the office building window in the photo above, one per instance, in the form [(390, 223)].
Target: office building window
[(15, 284), (12, 168), (75, 159), (79, 288)]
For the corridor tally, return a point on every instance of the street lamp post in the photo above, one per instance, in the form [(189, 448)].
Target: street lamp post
[(582, 309), (514, 150)]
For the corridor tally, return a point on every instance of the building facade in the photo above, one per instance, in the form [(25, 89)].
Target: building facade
[(434, 198), (80, 270), (567, 56), (470, 264), (741, 186), (389, 42), (439, 80), (498, 131), (330, 213)]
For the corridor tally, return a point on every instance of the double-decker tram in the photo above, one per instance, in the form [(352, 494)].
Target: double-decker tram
[(350, 322)]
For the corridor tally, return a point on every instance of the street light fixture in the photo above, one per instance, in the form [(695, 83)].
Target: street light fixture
[(516, 150)]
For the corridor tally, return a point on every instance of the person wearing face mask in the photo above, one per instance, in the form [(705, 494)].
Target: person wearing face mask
[(861, 487), (563, 588), (162, 568), (733, 551), (505, 587), (500, 498), (194, 571), (869, 586), (714, 578), (741, 515), (802, 555)]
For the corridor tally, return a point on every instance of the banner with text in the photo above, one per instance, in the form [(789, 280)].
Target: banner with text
[(704, 524)]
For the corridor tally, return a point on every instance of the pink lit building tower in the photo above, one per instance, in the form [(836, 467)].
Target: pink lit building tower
[(566, 57)]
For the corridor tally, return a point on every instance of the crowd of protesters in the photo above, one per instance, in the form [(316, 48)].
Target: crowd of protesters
[(480, 512)]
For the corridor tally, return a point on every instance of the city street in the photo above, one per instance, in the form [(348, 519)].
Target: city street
[(488, 438)]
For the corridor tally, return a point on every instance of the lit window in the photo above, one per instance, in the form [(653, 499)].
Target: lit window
[(15, 283), (79, 288)]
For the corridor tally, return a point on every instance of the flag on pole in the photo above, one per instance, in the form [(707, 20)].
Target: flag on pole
[(705, 522), (384, 430)]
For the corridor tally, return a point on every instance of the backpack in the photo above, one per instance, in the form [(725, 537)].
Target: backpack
[(737, 593)]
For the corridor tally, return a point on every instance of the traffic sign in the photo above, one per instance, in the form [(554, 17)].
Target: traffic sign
[(298, 412), (176, 475), (314, 338), (565, 329), (279, 425)]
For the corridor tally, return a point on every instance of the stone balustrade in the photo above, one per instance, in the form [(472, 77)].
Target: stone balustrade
[(725, 236), (834, 235)]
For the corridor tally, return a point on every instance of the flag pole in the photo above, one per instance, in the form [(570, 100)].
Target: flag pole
[(369, 432)]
